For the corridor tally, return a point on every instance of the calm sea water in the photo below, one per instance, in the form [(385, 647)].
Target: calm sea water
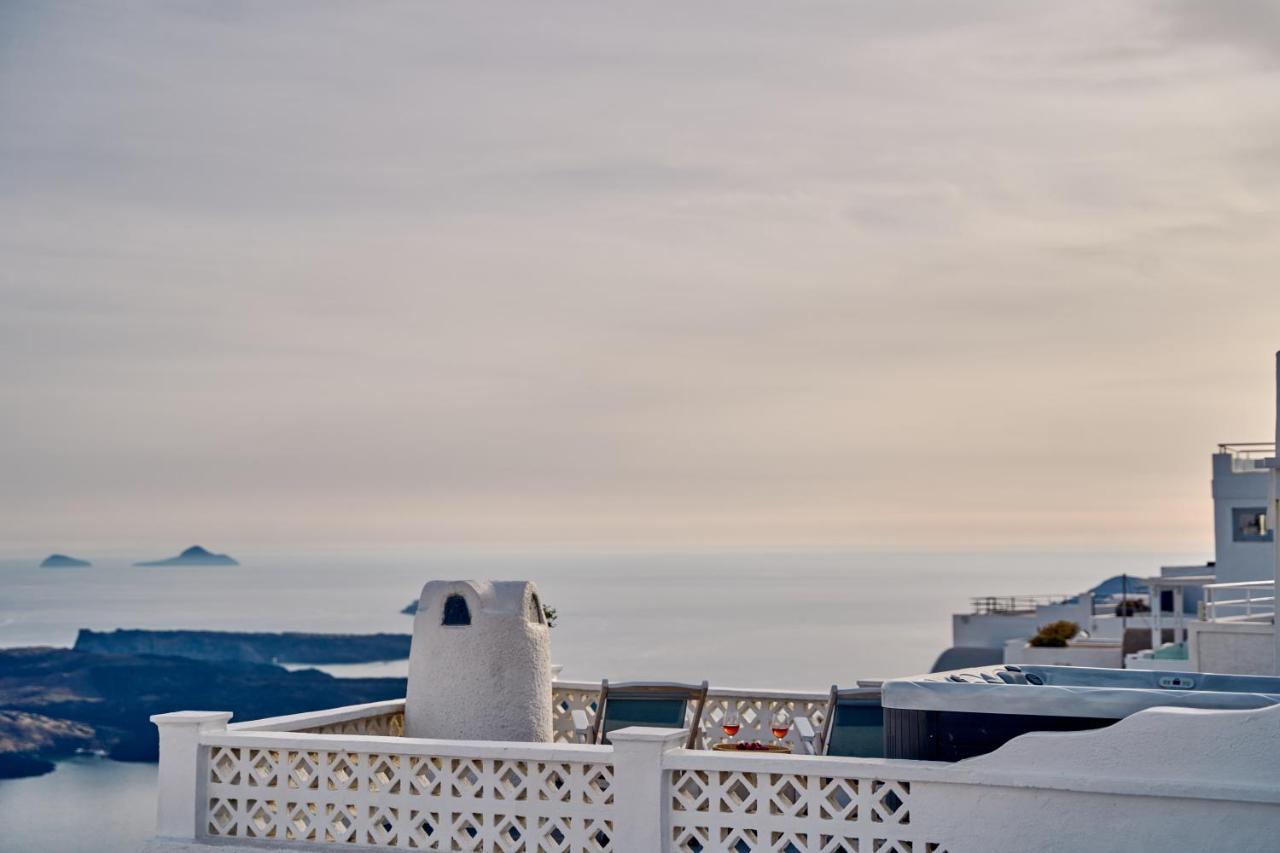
[(780, 620)]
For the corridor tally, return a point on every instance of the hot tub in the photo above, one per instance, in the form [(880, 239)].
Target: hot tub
[(949, 716)]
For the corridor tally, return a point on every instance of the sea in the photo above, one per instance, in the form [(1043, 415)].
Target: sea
[(792, 620)]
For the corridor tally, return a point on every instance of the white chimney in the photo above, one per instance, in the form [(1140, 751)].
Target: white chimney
[(480, 664)]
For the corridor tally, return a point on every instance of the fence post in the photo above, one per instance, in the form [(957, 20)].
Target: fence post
[(180, 782), (640, 787)]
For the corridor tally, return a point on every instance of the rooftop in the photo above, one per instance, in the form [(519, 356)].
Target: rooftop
[(1249, 456), (348, 776)]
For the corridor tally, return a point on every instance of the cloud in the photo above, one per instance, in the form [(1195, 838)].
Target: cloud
[(1252, 24), (717, 274)]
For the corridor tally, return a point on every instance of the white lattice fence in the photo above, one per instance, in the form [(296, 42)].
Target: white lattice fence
[(740, 810), (267, 787), (755, 710), (399, 799), (567, 697), (390, 724)]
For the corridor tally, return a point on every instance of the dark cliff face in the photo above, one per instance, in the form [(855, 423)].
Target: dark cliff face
[(25, 737), (111, 697), (249, 647)]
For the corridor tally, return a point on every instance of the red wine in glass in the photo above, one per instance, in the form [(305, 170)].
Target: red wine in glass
[(780, 725), (731, 724)]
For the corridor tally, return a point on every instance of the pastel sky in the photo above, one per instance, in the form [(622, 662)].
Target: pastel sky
[(898, 275)]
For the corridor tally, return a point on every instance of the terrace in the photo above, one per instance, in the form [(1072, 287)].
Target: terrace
[(1236, 631), (347, 777), (1014, 605), (1248, 457)]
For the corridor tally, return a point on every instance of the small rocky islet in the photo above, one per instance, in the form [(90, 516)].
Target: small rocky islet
[(98, 697), (193, 556), (62, 561)]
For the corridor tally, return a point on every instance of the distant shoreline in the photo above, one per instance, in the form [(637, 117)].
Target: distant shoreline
[(248, 647), (55, 703)]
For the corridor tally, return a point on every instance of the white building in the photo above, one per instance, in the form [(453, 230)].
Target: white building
[(1216, 617), (1243, 527), (1237, 633)]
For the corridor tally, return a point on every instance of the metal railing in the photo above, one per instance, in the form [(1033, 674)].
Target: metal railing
[(1243, 601), (1245, 455), (1014, 604)]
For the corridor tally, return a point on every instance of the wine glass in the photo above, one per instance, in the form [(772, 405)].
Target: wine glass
[(779, 725), (731, 723)]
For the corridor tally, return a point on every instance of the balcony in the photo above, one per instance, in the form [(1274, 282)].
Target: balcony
[(1248, 457), (1014, 605), (1245, 601), (348, 778)]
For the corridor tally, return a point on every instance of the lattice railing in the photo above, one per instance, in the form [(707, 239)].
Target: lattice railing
[(740, 808), (755, 709), (567, 697), (312, 792), (268, 787), (389, 724)]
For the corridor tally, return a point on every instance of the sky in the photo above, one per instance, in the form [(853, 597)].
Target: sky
[(900, 276)]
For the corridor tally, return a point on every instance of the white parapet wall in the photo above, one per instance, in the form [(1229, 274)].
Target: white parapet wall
[(1164, 778), (1234, 647), (1091, 653), (1160, 779)]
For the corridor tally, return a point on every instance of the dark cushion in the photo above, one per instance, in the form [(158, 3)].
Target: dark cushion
[(858, 730), (662, 713)]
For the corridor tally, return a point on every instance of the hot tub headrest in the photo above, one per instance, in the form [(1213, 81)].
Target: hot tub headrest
[(1087, 676), (972, 693)]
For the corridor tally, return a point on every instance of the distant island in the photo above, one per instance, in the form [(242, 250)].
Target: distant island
[(248, 647), (62, 561), (411, 608), (56, 702), (193, 556)]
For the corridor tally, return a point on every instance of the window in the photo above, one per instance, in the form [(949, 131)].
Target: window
[(456, 611), (1249, 524), (535, 610)]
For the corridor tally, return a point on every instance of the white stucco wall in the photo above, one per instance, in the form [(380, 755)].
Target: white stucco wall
[(994, 819), (1079, 612), (1236, 648), (490, 680), (1239, 561), (1018, 652), (993, 630), (1140, 785), (990, 630)]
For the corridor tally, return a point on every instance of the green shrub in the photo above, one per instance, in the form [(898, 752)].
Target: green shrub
[(1130, 606), (1055, 634)]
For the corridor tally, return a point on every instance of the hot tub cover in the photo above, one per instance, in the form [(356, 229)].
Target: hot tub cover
[(1082, 692)]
